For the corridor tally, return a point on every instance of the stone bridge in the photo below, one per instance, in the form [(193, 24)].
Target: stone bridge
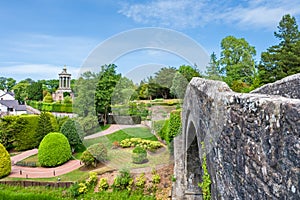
[(251, 141)]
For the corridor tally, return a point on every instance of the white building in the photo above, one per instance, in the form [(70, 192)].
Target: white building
[(6, 95), (11, 107)]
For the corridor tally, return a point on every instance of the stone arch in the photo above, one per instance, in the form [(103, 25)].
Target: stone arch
[(193, 164)]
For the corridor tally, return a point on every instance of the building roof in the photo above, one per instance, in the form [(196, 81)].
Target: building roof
[(10, 93), (13, 104)]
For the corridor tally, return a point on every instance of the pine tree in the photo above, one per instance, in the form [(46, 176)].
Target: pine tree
[(212, 70), (44, 127), (283, 59)]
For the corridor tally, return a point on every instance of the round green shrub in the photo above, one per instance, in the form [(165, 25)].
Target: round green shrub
[(88, 159), (5, 163), (54, 150), (139, 155), (99, 151)]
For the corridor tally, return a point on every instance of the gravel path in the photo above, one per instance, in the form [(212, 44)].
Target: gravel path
[(113, 128), (40, 172)]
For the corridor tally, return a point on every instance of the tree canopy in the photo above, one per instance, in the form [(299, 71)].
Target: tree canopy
[(283, 59)]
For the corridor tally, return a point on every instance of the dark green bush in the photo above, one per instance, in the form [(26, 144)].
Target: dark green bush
[(139, 155), (99, 152), (54, 150), (73, 131), (5, 163)]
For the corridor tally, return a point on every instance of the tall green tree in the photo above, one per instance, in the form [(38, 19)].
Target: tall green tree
[(7, 83), (213, 70), (283, 59), (189, 72), (237, 61), (105, 88), (162, 81), (44, 127), (20, 90), (179, 85), (123, 91), (35, 91)]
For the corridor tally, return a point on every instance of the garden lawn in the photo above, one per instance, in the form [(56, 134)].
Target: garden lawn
[(107, 140), (122, 158)]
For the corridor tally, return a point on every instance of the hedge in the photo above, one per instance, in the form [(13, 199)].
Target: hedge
[(51, 107), (26, 137), (174, 127), (161, 128), (54, 150), (5, 163)]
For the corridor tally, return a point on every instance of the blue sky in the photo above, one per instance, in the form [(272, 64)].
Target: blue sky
[(39, 37)]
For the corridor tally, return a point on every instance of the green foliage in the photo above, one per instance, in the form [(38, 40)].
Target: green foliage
[(103, 185), (18, 131), (35, 91), (67, 100), (8, 130), (88, 123), (54, 150), (161, 128), (213, 70), (105, 88), (88, 159), (123, 181), (25, 135), (7, 83), (155, 177), (237, 62), (188, 72), (73, 131), (5, 163), (48, 98), (99, 152), (140, 182), (283, 59), (139, 155), (174, 125), (20, 91), (84, 103), (51, 107), (123, 91), (206, 182), (138, 142), (44, 127), (179, 85)]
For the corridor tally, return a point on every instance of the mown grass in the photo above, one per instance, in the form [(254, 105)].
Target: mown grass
[(43, 193), (29, 193), (138, 132)]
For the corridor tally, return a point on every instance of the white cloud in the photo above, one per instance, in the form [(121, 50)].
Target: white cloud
[(194, 13), (35, 71)]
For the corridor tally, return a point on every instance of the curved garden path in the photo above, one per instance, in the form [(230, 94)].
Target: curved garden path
[(40, 172), (113, 128)]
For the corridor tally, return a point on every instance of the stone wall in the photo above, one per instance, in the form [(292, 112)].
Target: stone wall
[(251, 143), (288, 87)]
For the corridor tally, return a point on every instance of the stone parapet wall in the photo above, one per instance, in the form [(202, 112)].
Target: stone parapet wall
[(287, 87), (251, 143)]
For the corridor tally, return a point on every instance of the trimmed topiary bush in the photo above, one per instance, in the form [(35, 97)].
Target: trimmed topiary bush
[(139, 155), (54, 150), (99, 152), (5, 163), (174, 128)]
